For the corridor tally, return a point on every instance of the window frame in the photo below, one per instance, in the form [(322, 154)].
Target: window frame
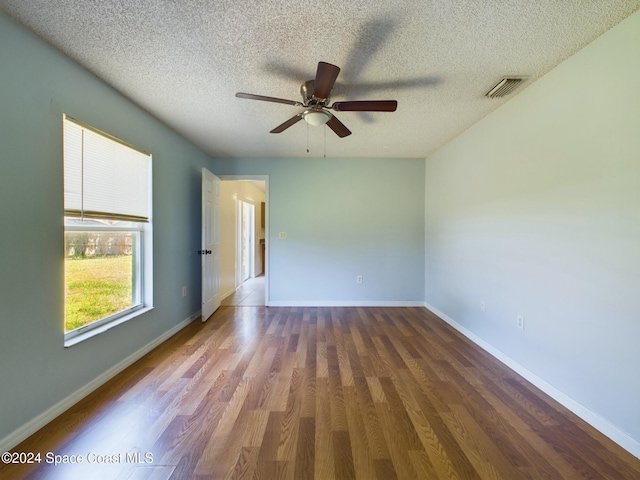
[(142, 270)]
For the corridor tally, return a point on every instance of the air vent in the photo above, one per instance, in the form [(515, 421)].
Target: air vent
[(504, 87)]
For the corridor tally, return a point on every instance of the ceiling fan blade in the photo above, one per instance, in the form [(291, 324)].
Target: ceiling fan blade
[(338, 127), (366, 106), (251, 96), (325, 78), (282, 127)]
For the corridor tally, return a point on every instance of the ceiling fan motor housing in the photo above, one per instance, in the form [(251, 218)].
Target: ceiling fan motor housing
[(306, 90)]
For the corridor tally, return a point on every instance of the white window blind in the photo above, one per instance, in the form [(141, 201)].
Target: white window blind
[(104, 177)]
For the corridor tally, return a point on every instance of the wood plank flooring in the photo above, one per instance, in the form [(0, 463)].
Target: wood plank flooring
[(321, 393), (249, 294)]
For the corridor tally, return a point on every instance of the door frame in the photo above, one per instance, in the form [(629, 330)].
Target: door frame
[(264, 178)]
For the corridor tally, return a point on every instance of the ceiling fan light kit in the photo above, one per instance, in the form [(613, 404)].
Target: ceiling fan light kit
[(315, 117), (315, 98)]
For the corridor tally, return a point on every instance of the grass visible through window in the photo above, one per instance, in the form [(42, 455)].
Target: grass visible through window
[(96, 287)]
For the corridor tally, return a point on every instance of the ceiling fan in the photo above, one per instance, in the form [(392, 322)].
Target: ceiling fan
[(315, 100)]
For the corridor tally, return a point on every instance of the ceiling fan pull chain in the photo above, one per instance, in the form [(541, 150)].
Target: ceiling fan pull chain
[(307, 138), (325, 141)]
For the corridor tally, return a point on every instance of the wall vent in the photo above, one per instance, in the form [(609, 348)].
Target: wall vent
[(504, 87)]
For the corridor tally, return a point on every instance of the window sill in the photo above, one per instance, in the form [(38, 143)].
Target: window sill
[(103, 328)]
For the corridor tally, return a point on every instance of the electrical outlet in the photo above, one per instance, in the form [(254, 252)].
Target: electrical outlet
[(521, 322), (184, 291), (359, 279), (282, 235), (482, 306)]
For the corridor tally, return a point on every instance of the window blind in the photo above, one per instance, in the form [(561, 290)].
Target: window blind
[(104, 177)]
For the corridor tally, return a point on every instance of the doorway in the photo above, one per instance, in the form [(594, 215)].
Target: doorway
[(245, 274)]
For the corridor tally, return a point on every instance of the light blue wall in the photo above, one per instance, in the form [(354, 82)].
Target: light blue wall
[(343, 218), (38, 84), (536, 211)]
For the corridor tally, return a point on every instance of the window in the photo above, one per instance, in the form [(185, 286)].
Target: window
[(107, 222)]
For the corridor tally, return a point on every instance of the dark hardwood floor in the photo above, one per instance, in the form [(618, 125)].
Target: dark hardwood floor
[(297, 393)]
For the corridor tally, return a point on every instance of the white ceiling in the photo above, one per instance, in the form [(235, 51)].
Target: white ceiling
[(183, 61)]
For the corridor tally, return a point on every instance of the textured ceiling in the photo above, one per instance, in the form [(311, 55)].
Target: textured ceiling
[(183, 61)]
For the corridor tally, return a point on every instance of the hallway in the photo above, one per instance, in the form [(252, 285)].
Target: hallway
[(249, 294)]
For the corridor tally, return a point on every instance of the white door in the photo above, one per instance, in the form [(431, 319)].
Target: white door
[(247, 248), (210, 243)]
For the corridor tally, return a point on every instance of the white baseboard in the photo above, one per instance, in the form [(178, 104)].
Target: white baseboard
[(227, 293), (29, 428), (344, 303), (599, 423)]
